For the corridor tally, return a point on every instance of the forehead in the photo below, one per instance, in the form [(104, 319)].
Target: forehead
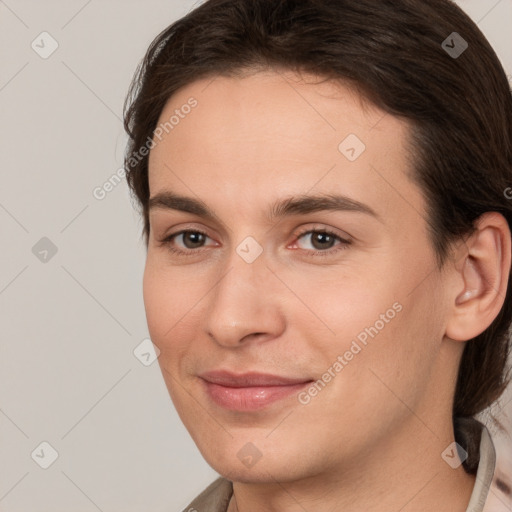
[(238, 116), (272, 134)]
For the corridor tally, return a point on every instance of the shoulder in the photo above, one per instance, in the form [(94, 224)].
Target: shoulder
[(499, 497), (215, 498), (488, 457)]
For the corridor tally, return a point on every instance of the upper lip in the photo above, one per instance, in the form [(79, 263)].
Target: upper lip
[(250, 379)]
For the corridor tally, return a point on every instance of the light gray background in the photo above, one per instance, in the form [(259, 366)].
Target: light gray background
[(68, 375)]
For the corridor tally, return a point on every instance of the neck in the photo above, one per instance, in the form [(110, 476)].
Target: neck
[(407, 474)]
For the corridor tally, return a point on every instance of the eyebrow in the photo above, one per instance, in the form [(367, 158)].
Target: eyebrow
[(296, 205)]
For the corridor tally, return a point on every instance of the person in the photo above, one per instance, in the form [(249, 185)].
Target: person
[(323, 186)]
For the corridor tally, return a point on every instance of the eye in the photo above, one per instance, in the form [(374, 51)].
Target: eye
[(190, 240), (322, 240)]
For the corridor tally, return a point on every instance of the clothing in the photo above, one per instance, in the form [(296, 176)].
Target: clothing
[(492, 491), (215, 498)]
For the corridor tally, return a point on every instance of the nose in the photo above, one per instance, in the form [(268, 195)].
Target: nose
[(245, 304)]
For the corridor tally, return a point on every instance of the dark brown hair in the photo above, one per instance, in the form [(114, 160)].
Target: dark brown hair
[(392, 52)]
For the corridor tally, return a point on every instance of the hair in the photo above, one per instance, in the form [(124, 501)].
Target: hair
[(459, 109)]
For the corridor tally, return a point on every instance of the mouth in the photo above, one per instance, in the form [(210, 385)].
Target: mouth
[(249, 391)]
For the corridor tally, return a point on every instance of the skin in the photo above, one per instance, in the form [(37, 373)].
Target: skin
[(372, 438)]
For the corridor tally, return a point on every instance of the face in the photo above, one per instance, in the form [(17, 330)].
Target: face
[(340, 294)]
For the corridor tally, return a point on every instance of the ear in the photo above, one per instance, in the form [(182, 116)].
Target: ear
[(483, 266)]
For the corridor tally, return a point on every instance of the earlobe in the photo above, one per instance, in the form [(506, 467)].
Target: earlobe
[(485, 273)]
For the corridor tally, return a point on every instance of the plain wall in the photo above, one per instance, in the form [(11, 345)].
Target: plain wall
[(70, 324)]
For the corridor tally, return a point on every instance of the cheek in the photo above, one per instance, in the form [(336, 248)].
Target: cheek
[(167, 295), (397, 360), (155, 302), (374, 322), (165, 302), (173, 299), (342, 301)]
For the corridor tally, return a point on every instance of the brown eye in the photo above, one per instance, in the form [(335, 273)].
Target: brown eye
[(192, 239), (184, 242), (321, 240)]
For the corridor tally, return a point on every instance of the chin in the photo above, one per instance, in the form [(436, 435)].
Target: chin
[(265, 469), (255, 475)]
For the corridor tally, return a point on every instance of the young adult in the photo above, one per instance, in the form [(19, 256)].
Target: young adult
[(323, 188)]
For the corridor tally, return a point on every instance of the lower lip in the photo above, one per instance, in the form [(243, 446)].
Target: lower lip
[(250, 399)]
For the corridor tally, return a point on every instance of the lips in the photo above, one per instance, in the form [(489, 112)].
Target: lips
[(251, 379), (249, 391)]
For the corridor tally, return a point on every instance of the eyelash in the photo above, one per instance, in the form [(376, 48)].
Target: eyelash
[(190, 252)]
